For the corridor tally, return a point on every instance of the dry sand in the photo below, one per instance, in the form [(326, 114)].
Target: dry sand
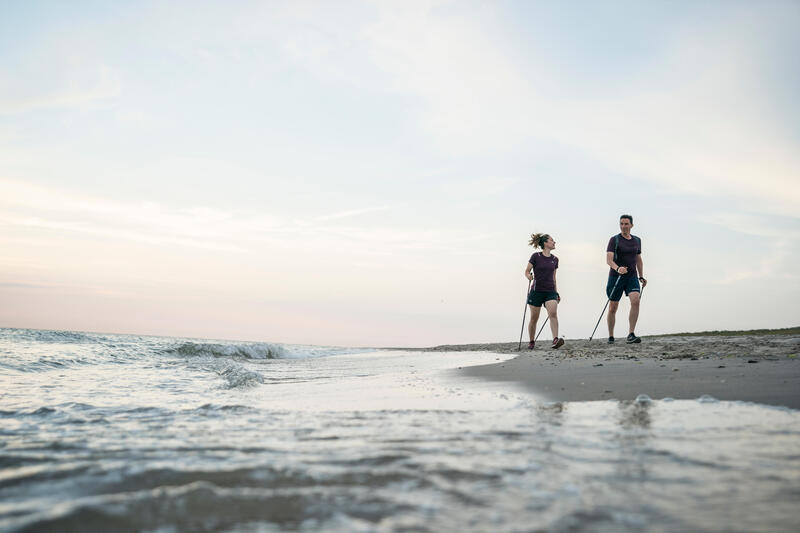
[(763, 369)]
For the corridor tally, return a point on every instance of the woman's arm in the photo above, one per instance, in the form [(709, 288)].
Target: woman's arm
[(528, 272)]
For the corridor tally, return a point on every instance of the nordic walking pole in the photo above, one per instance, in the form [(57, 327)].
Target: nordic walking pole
[(541, 328), (604, 308), (524, 312)]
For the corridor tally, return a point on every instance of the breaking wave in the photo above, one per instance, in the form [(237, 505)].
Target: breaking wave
[(259, 350)]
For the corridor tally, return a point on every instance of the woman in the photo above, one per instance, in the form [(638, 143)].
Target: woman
[(541, 270)]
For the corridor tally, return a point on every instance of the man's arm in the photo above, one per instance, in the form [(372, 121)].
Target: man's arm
[(613, 265), (640, 268)]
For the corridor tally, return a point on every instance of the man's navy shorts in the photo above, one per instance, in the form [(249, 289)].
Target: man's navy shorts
[(537, 298), (628, 284)]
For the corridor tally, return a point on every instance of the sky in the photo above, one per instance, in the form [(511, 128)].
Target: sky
[(368, 173)]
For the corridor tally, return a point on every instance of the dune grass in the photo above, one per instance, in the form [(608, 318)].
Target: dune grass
[(730, 333)]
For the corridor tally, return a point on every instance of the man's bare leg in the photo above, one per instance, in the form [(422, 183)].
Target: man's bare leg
[(612, 317), (633, 317)]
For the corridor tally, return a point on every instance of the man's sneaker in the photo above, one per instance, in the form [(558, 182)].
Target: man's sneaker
[(611, 340), (558, 343), (531, 344), (633, 339)]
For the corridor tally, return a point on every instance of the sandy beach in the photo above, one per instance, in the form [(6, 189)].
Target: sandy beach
[(762, 369)]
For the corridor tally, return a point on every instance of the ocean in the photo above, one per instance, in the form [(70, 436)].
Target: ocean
[(104, 433)]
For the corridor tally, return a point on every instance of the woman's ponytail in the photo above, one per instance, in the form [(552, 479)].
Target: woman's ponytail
[(538, 239)]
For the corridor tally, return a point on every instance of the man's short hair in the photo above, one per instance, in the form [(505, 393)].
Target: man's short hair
[(628, 217)]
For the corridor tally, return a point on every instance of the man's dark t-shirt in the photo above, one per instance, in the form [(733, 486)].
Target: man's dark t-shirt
[(543, 270), (627, 251)]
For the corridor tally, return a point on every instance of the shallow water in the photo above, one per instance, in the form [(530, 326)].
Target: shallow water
[(126, 433)]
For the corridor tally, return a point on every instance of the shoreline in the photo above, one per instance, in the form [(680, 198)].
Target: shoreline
[(752, 368)]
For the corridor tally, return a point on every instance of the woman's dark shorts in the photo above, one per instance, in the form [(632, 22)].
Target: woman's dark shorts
[(628, 284), (537, 298)]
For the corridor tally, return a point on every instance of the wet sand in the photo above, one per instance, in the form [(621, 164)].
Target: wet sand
[(762, 369)]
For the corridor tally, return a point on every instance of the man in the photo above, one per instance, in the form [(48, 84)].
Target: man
[(624, 256)]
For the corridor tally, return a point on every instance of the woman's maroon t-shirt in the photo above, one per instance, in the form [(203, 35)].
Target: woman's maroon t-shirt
[(544, 269)]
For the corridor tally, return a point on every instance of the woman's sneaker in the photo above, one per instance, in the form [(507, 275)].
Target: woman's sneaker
[(633, 339), (611, 340), (531, 344), (558, 343)]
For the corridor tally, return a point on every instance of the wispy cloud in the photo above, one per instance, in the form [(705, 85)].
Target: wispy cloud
[(479, 187), (19, 285), (69, 213), (694, 120), (15, 97), (773, 264), (117, 232), (776, 240), (476, 99), (752, 224), (697, 122), (350, 213)]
